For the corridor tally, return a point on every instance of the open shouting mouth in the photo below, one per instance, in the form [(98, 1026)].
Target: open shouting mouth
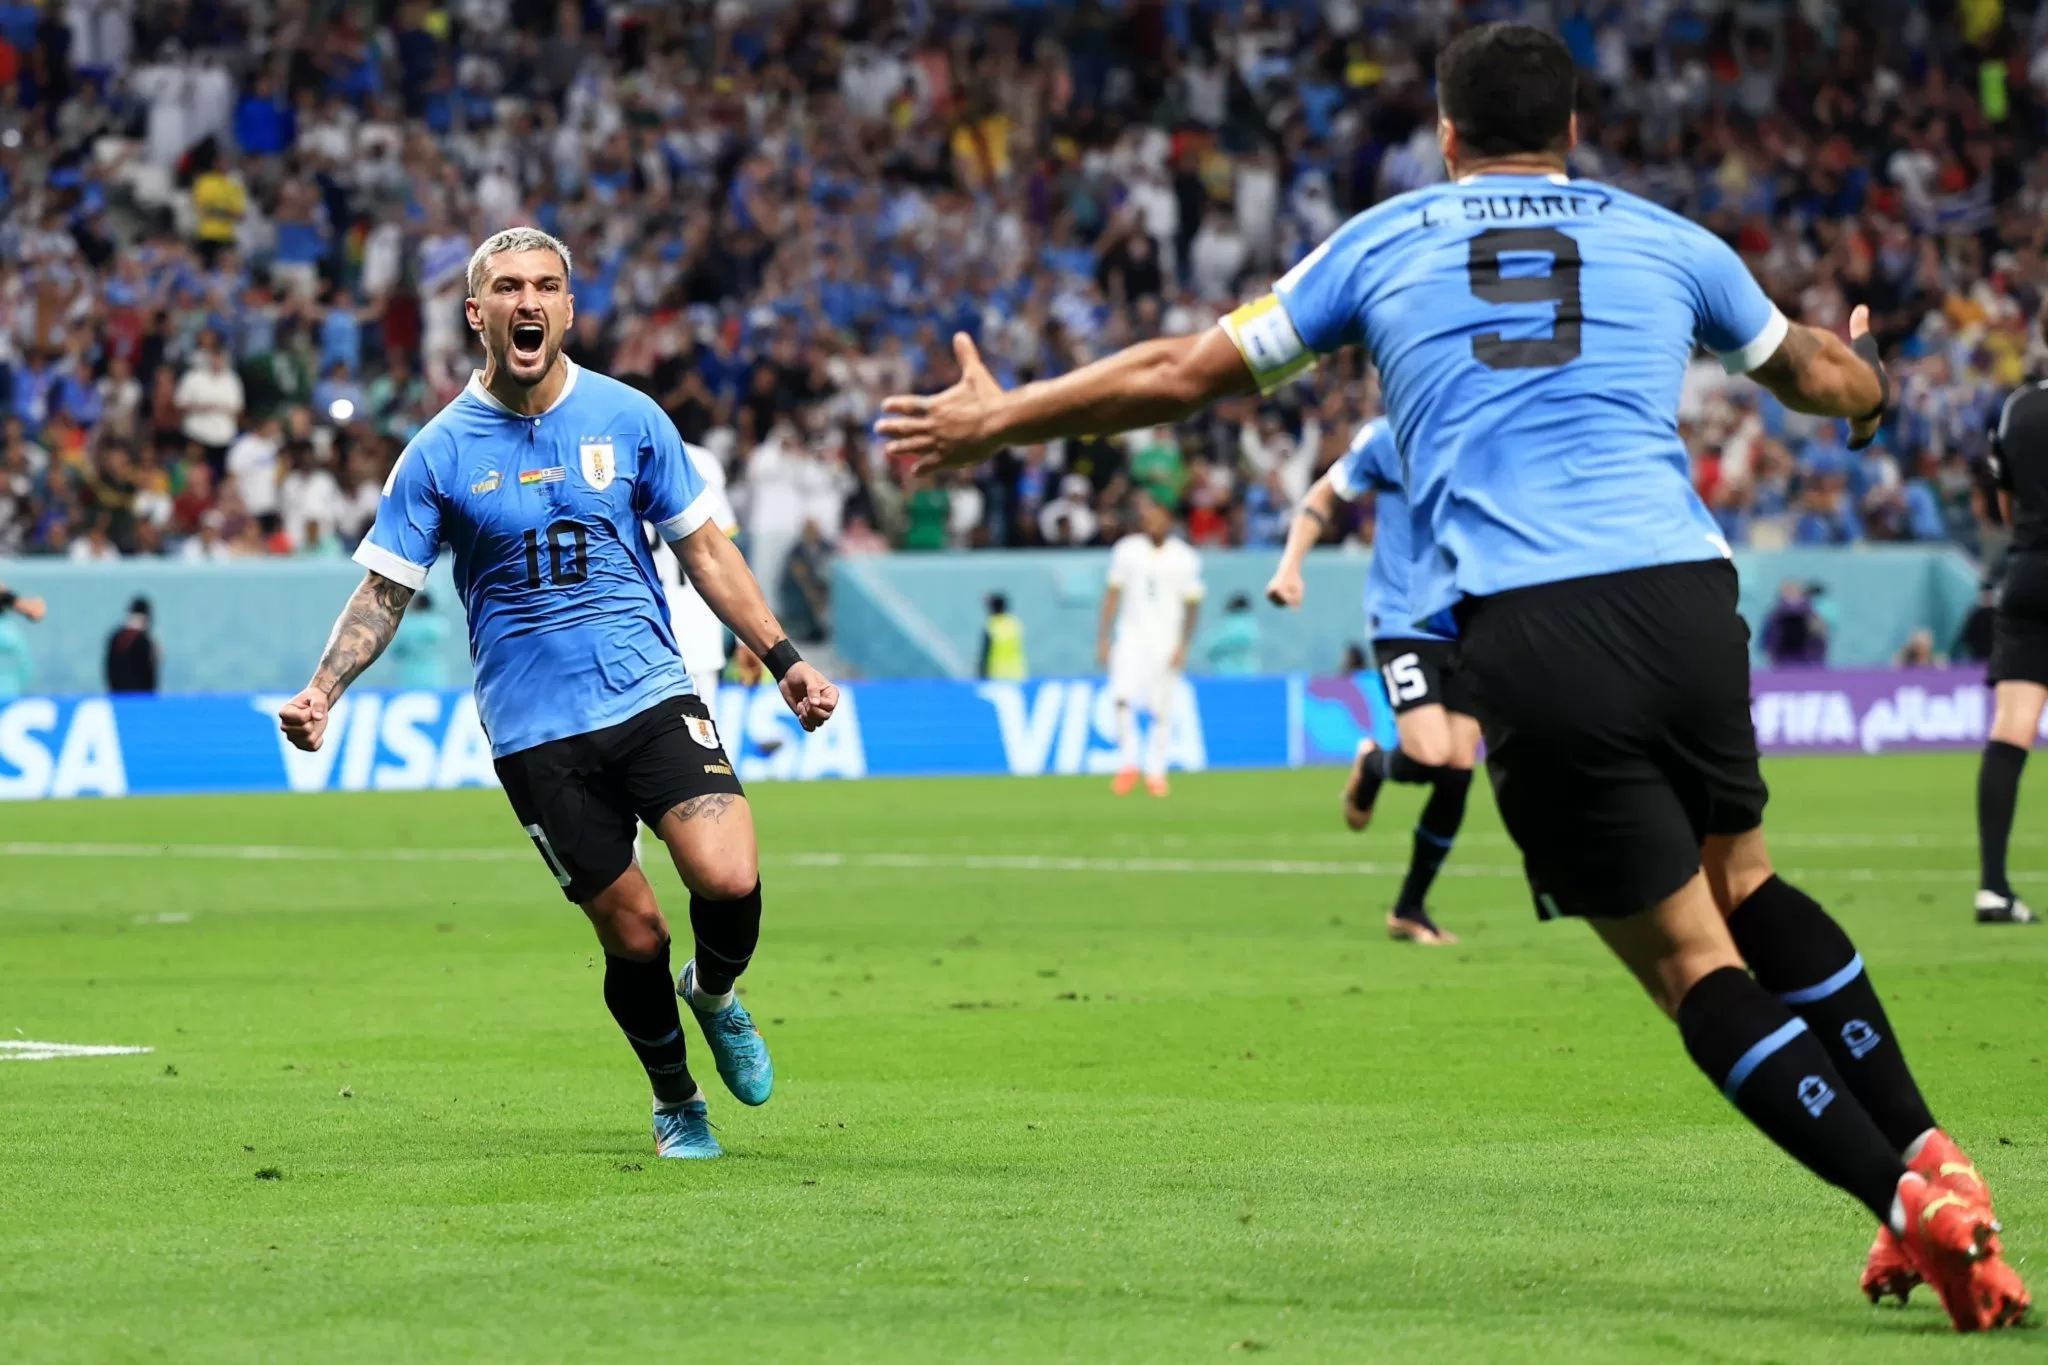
[(528, 339)]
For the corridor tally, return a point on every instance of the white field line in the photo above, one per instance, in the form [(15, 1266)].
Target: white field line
[(1498, 839), (1267, 867), (265, 853), (913, 862), (22, 1050)]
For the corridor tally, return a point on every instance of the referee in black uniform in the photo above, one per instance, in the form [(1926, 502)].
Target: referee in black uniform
[(2019, 645)]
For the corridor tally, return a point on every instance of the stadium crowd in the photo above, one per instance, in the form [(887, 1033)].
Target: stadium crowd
[(233, 236)]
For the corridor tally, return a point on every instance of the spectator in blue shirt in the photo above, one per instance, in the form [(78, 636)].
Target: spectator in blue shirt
[(33, 382), (1826, 516), (76, 395), (1266, 512), (341, 331), (264, 122)]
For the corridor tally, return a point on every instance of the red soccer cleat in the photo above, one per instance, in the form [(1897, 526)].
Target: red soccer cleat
[(1888, 1269), (1125, 783), (1952, 1240), (1157, 785)]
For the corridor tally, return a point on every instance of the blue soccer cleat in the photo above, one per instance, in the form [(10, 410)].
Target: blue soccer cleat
[(685, 1133), (736, 1045)]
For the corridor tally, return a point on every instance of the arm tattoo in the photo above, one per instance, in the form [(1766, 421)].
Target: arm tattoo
[(712, 807), (366, 625), (1787, 365), (1321, 521)]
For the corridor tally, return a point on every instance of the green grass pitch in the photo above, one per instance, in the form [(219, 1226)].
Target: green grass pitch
[(1060, 1077)]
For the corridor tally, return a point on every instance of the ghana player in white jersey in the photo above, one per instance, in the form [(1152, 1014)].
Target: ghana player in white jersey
[(1149, 612), (540, 475), (1531, 331)]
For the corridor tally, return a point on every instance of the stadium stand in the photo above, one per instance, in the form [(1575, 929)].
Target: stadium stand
[(233, 237)]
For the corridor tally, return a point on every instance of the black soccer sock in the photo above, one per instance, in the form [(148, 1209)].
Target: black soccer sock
[(726, 934), (1394, 765), (1435, 832), (1803, 957), (642, 998), (1771, 1067), (1998, 793)]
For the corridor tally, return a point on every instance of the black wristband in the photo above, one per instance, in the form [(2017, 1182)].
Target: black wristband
[(781, 659), (7, 599), (1866, 350)]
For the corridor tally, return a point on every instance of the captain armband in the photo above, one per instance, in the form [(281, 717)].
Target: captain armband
[(1264, 335)]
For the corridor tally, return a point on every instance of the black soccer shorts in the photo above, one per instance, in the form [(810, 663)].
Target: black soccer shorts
[(1618, 734), (2019, 629), (582, 799), (1422, 673)]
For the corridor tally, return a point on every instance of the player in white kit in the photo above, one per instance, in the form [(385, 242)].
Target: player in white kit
[(700, 635), (1153, 602)]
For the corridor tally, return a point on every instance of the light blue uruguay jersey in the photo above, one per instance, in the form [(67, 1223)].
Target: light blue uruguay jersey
[(568, 622), (1373, 465), (1531, 334)]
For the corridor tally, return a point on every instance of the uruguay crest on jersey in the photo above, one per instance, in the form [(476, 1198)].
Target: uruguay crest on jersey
[(600, 467)]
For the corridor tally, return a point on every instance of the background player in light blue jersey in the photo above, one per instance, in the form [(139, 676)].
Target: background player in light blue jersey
[(540, 476), (1418, 661), (1531, 331)]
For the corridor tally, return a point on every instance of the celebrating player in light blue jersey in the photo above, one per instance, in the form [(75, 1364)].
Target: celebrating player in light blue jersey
[(1531, 331), (1418, 661), (540, 475)]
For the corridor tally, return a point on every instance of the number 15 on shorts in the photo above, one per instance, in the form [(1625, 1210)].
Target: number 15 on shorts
[(1405, 679)]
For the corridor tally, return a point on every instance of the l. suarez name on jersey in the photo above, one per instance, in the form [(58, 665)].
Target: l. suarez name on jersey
[(1480, 207)]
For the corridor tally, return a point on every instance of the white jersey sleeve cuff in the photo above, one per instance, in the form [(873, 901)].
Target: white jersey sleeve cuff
[(1340, 480), (1761, 348), (399, 570), (685, 522)]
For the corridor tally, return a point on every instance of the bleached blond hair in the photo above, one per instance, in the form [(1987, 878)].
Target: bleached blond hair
[(513, 239)]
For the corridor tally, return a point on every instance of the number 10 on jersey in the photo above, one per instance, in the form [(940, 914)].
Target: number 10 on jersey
[(568, 549)]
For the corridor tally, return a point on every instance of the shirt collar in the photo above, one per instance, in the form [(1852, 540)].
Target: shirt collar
[(1552, 176), (475, 389)]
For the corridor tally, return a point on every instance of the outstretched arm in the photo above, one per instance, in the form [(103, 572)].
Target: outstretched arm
[(720, 574), (360, 634), (1150, 384), (1815, 371), (1311, 519)]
